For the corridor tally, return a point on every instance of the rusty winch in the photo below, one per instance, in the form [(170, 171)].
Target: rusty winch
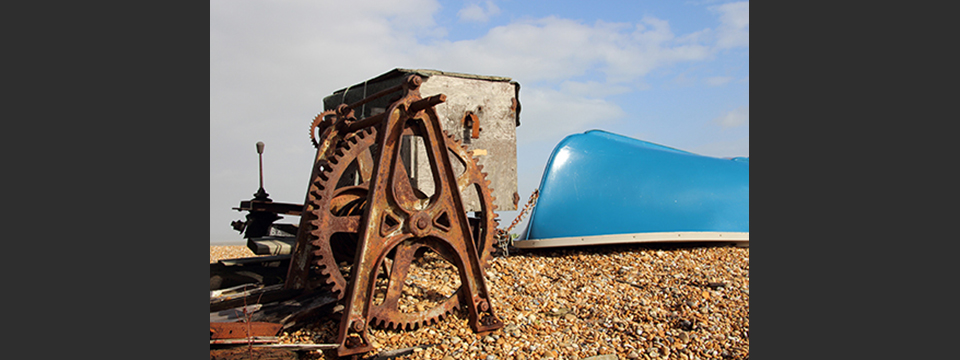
[(387, 222), (367, 223)]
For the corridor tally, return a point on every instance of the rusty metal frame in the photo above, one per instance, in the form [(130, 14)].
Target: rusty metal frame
[(396, 220)]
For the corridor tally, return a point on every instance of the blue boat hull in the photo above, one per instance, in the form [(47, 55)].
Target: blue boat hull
[(600, 187)]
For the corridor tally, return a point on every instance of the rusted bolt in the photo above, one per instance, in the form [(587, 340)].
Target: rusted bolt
[(419, 224), (357, 325), (483, 305), (414, 81), (352, 342), (342, 109)]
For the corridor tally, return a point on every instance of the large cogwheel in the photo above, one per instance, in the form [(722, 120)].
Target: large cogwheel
[(387, 311), (337, 201)]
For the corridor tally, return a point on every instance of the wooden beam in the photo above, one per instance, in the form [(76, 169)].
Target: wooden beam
[(253, 340), (296, 347), (242, 330), (235, 314), (264, 295)]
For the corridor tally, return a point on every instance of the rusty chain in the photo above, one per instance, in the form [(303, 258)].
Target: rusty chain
[(529, 206), (504, 240)]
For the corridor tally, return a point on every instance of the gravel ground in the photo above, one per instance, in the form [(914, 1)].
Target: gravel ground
[(218, 253), (635, 301)]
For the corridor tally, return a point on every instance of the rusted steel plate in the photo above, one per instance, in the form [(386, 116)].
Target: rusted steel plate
[(270, 206), (242, 330)]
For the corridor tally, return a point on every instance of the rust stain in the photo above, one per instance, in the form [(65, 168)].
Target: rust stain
[(240, 330)]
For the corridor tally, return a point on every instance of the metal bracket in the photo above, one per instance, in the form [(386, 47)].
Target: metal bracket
[(470, 120)]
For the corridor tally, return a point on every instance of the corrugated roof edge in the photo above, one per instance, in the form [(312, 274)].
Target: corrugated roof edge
[(425, 72), (428, 72)]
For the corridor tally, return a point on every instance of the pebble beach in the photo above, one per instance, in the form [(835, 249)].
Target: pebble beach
[(637, 301)]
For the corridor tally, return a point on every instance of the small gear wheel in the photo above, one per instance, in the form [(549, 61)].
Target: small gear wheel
[(323, 119)]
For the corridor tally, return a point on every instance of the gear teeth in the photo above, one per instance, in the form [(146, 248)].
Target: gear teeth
[(316, 223), (322, 268), (314, 124), (319, 254), (392, 318)]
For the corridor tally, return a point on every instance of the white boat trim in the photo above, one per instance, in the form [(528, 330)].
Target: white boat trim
[(741, 239)]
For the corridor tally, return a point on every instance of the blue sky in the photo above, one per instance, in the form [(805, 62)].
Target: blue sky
[(670, 72)]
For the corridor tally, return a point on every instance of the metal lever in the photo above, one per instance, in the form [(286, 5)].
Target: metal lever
[(260, 154), (261, 194)]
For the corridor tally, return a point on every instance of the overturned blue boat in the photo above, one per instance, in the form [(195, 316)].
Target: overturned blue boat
[(603, 188)]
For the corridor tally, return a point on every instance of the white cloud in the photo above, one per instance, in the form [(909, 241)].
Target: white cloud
[(734, 118), (680, 81), (725, 148), (734, 29), (596, 89), (554, 49), (717, 80), (476, 13), (548, 115)]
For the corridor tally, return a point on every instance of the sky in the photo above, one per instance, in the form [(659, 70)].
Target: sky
[(676, 73)]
